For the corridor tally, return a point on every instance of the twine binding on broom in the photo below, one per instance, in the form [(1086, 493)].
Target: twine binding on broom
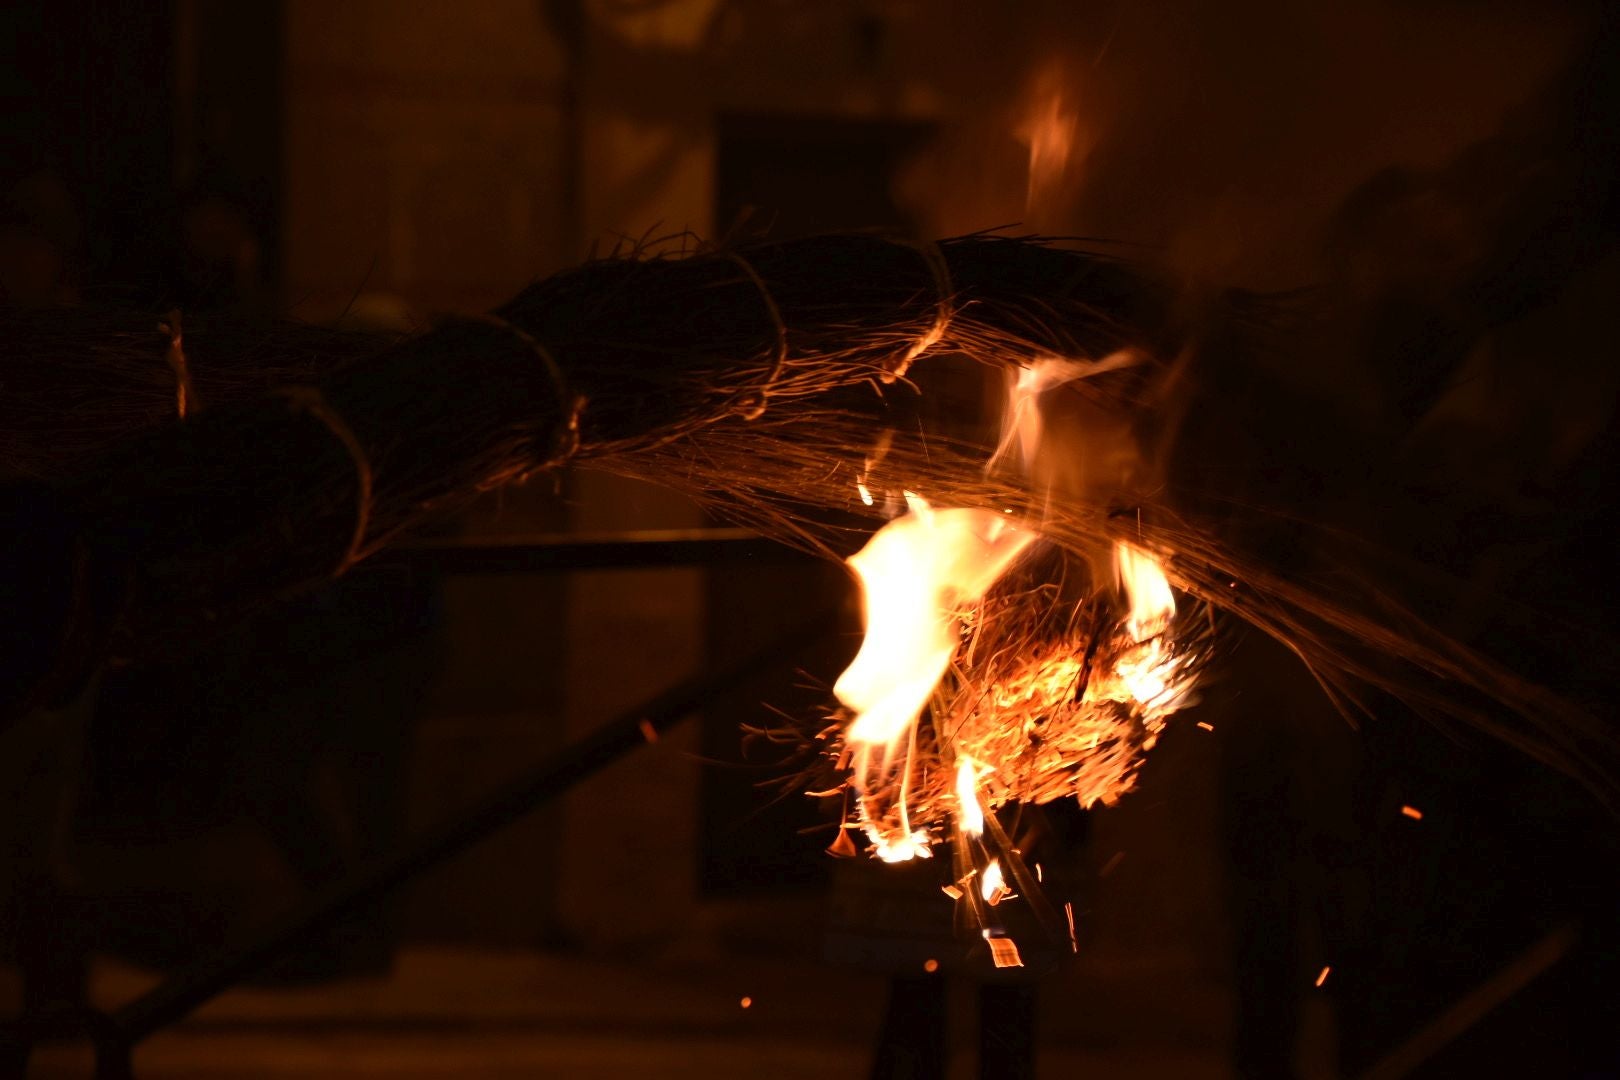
[(567, 441), (307, 399), (86, 408), (750, 404), (935, 258)]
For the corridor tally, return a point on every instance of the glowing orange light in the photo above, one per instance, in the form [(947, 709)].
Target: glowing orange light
[(917, 574), (970, 814), (930, 965), (1322, 978), (1020, 707), (992, 886), (1147, 589), (1048, 126), (1412, 812), (1002, 950), (746, 1002)]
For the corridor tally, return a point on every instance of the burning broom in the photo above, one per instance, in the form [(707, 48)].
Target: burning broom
[(166, 481)]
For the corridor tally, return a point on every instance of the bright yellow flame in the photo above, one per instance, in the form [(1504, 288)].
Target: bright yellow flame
[(1148, 673), (1147, 589), (992, 884), (900, 845), (967, 783), (917, 573)]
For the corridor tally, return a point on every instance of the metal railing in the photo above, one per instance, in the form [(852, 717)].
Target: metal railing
[(115, 1034)]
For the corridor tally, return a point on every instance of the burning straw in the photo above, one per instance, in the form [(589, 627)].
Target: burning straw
[(761, 380)]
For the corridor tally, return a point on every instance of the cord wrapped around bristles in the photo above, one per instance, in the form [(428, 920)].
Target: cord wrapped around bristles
[(942, 288), (309, 400), (751, 403), (751, 378), (566, 444), (618, 362)]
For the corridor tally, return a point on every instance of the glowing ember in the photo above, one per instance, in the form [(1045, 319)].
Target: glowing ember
[(1002, 951)]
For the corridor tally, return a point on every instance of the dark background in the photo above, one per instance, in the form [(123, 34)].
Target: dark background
[(1443, 171)]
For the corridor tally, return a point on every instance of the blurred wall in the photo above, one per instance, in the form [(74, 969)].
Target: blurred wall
[(440, 154)]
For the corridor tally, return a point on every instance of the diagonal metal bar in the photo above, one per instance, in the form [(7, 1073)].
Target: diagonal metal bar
[(1473, 1007), (179, 996)]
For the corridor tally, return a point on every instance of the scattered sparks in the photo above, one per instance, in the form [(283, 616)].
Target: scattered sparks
[(1074, 941), (1112, 864), (930, 965), (746, 1002), (952, 891), (1206, 726), (1322, 978), (649, 732), (1412, 812)]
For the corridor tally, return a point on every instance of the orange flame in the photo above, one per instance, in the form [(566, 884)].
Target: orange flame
[(1050, 127), (971, 815), (917, 573), (1147, 589), (992, 884), (1021, 423), (1052, 722)]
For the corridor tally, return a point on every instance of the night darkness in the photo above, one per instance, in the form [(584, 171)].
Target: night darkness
[(369, 729)]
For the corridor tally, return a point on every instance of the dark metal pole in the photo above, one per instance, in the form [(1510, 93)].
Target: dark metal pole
[(180, 995)]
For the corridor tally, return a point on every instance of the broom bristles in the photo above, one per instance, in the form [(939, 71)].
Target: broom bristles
[(756, 380)]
